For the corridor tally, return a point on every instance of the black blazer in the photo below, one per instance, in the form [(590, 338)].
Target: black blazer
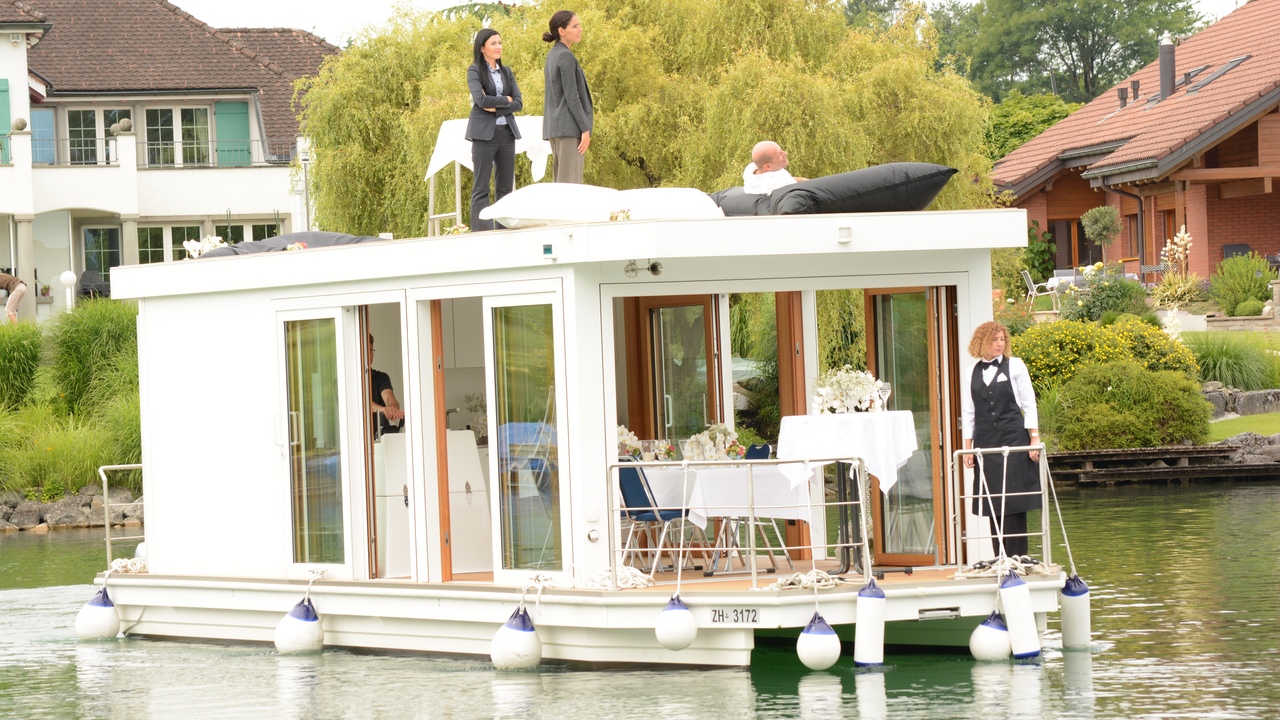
[(480, 123), (567, 110)]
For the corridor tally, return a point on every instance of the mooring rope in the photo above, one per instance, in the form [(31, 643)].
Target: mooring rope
[(814, 578), (1061, 523), (629, 578), (127, 565)]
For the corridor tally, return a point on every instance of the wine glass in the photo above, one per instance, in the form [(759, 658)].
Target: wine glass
[(647, 448), (885, 390)]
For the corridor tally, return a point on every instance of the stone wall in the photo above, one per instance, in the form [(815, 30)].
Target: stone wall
[(84, 509)]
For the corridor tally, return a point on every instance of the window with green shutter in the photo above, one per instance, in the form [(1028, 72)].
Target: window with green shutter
[(232, 122)]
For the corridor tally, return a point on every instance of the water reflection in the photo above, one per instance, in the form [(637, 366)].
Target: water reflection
[(1184, 606)]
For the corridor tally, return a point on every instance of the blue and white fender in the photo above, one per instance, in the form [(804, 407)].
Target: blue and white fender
[(676, 628), (990, 640), (1015, 598), (818, 646), (1077, 631), (300, 631), (516, 645), (98, 619), (868, 639)]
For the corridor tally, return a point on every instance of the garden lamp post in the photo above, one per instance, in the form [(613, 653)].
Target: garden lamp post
[(68, 280)]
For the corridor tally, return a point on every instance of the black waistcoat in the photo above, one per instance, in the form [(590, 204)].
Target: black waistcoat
[(998, 422)]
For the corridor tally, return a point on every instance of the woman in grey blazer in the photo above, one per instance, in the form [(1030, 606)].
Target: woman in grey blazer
[(491, 127), (567, 114)]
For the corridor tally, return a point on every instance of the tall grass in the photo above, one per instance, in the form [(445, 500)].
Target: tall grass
[(1235, 359), (85, 343), (19, 359)]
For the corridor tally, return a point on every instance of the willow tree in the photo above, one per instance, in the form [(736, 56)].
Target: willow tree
[(682, 90)]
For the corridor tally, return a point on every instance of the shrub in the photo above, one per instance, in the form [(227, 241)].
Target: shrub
[(1240, 278), (19, 359), (1123, 405), (1152, 348), (1176, 290), (1007, 265), (1232, 359), (1107, 290), (1101, 224), (55, 455), (1111, 316), (85, 342), (1039, 255), (1054, 352), (1249, 308), (1015, 316), (1051, 404)]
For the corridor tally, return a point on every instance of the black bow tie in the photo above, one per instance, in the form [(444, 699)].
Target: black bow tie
[(984, 364)]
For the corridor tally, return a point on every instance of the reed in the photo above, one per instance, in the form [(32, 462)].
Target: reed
[(19, 359), (1233, 359), (84, 346)]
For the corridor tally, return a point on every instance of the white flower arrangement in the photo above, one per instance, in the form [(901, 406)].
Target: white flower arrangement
[(196, 248), (845, 390), (628, 443), (717, 442)]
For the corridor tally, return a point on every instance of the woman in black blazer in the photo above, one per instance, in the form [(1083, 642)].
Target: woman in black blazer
[(491, 127)]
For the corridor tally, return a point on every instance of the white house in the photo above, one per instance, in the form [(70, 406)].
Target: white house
[(132, 126)]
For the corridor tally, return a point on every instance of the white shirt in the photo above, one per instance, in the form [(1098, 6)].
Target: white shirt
[(1023, 394), (495, 74), (764, 183)]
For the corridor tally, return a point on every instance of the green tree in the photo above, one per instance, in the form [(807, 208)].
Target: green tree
[(1018, 118), (1087, 45), (838, 98), (869, 13)]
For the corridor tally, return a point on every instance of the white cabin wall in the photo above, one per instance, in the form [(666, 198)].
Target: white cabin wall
[(215, 503), (592, 428)]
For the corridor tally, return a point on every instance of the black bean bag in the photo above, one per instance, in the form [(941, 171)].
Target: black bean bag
[(313, 239), (894, 187)]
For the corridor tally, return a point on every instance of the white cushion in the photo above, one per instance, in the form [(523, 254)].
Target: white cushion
[(567, 203)]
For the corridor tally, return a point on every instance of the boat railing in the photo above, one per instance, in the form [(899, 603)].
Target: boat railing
[(107, 505), (992, 500), (852, 535)]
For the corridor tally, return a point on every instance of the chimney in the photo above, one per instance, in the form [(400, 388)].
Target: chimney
[(1124, 96), (1133, 87), (1168, 75)]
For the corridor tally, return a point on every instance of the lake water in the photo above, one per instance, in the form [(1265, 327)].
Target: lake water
[(1186, 608)]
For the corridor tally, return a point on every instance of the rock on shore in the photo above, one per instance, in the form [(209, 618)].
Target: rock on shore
[(84, 509)]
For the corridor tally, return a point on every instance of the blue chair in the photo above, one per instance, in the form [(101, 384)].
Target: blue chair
[(641, 510), (758, 452)]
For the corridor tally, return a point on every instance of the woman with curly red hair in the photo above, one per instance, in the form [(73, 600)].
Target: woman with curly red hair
[(998, 409)]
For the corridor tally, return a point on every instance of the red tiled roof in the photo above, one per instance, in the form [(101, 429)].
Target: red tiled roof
[(151, 45), (1157, 131), (297, 52), (16, 11)]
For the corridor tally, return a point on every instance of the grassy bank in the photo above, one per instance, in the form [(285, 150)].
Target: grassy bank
[(69, 400)]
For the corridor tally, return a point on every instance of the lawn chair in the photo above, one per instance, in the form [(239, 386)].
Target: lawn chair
[(1034, 291)]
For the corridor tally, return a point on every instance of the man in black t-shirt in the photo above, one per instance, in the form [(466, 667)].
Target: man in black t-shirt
[(383, 397)]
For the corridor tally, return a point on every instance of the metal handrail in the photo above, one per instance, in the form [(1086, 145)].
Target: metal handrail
[(618, 507), (106, 506), (1046, 544)]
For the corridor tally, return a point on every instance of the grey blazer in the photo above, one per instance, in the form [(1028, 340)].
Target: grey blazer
[(567, 110), (481, 123)]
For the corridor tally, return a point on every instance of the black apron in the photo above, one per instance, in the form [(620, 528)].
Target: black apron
[(998, 422)]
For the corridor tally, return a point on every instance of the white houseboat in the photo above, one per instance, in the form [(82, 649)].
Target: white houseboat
[(263, 471)]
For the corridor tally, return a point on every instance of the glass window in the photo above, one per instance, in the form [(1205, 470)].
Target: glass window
[(101, 250), (680, 371), (180, 235), (262, 232), (231, 234), (315, 457), (195, 136), (82, 129), (150, 245), (42, 136), (160, 136), (528, 460)]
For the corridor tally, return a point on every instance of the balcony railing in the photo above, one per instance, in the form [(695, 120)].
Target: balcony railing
[(204, 154), (215, 153)]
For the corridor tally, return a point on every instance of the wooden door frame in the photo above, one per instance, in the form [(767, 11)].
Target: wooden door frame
[(935, 428), (442, 439), (638, 326)]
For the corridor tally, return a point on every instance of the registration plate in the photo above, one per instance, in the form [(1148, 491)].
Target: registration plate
[(736, 616)]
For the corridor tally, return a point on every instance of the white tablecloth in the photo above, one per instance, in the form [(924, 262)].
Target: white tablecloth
[(453, 146), (884, 440), (722, 492)]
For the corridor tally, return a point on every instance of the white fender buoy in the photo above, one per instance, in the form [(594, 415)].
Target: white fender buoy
[(818, 646), (676, 628), (516, 644), (1015, 597), (300, 630), (990, 640), (140, 552), (98, 619), (868, 639), (1077, 621)]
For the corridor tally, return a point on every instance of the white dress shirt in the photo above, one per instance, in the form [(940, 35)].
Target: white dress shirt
[(495, 74), (765, 183), (1023, 393)]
